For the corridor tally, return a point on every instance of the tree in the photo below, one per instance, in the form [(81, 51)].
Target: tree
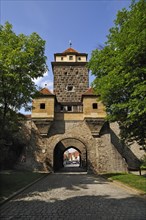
[(22, 60), (120, 70)]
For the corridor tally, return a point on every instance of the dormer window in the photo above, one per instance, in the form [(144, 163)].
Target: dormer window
[(70, 57)]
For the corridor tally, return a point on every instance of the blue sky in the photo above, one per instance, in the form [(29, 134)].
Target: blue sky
[(85, 23)]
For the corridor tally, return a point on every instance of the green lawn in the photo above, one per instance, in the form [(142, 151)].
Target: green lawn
[(12, 181), (135, 181)]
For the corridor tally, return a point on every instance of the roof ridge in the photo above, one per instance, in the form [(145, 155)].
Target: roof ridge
[(89, 92), (70, 50)]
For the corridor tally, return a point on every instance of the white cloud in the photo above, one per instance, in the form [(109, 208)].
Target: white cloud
[(46, 73), (39, 79), (44, 81)]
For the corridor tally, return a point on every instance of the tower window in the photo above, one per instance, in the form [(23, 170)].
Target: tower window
[(70, 57), (69, 108), (70, 88), (42, 106), (94, 106), (62, 108)]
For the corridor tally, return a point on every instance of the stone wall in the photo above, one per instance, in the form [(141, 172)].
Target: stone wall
[(32, 155), (65, 76), (102, 156), (132, 153), (101, 153)]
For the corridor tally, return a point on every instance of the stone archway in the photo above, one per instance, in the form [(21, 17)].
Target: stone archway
[(65, 144)]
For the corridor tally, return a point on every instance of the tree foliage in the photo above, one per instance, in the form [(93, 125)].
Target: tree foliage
[(22, 60), (120, 70)]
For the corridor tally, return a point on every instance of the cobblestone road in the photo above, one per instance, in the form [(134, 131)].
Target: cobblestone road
[(75, 197)]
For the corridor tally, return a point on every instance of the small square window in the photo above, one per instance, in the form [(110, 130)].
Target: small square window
[(42, 106), (94, 106)]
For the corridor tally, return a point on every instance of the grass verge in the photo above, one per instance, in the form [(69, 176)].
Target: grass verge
[(12, 181), (134, 181)]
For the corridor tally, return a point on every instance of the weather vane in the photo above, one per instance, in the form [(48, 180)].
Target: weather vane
[(70, 43)]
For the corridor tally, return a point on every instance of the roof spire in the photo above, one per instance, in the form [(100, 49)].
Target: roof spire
[(70, 43)]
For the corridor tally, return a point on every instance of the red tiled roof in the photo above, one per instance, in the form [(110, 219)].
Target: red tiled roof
[(70, 50), (90, 91), (45, 91)]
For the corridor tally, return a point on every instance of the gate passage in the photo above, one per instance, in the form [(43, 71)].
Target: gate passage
[(71, 157)]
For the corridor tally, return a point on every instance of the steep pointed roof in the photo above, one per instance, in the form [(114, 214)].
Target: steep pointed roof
[(46, 92)]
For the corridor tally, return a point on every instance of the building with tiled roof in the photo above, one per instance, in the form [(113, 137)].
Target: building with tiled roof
[(72, 116), (89, 92), (46, 92)]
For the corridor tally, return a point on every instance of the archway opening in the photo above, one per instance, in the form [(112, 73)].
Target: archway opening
[(72, 157)]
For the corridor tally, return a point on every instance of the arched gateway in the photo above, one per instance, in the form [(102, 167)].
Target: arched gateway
[(73, 116), (65, 144)]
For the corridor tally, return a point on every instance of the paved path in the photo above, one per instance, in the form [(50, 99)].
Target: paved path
[(75, 197)]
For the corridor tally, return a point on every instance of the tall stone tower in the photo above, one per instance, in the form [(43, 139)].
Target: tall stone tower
[(73, 116), (71, 78)]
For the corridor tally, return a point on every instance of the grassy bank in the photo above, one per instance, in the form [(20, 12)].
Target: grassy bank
[(134, 181), (12, 181)]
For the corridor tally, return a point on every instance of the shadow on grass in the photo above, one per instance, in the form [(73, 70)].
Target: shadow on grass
[(12, 181), (108, 175)]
